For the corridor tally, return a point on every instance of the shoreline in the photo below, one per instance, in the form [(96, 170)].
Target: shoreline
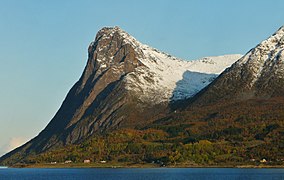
[(133, 165)]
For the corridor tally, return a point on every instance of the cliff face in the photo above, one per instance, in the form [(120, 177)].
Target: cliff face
[(125, 84)]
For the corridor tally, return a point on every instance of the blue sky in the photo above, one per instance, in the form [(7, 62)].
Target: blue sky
[(44, 45)]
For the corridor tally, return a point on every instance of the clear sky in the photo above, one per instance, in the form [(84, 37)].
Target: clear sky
[(43, 45)]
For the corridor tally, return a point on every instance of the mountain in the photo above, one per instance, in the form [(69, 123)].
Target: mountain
[(240, 113), (257, 75), (125, 84)]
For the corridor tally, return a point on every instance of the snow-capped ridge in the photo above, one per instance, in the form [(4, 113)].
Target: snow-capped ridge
[(265, 58), (157, 75)]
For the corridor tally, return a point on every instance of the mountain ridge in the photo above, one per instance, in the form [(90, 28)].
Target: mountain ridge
[(258, 74)]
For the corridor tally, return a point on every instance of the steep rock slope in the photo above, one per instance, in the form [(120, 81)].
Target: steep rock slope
[(124, 84)]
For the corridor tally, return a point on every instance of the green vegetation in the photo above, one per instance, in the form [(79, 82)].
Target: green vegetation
[(247, 134), (173, 146)]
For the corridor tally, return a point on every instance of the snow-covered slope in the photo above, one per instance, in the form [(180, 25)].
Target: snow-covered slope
[(173, 78), (164, 77)]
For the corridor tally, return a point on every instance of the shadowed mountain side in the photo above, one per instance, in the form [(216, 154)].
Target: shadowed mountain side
[(192, 83)]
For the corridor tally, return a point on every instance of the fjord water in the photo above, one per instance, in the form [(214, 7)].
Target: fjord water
[(135, 173)]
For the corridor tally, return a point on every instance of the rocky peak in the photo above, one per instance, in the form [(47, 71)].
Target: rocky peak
[(274, 41), (112, 50), (265, 50), (111, 42), (116, 32), (266, 59)]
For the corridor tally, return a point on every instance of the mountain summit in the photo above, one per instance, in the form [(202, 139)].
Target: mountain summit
[(125, 84)]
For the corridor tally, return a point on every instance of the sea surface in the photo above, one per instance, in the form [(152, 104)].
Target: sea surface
[(145, 173)]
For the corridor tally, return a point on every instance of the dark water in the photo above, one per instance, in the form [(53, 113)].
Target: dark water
[(147, 174)]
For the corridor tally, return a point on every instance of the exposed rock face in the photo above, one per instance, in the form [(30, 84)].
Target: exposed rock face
[(257, 75), (100, 100), (124, 84)]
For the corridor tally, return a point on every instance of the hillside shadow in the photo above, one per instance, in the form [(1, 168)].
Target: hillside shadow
[(190, 84)]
